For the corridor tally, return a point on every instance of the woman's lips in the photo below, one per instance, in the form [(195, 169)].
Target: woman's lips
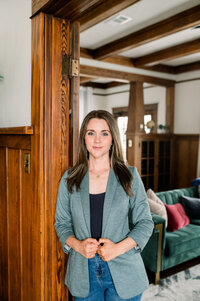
[(97, 147)]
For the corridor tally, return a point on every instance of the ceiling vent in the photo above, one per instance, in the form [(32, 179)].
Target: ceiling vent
[(119, 20)]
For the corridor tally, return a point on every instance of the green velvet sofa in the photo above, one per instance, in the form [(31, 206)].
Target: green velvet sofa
[(167, 249)]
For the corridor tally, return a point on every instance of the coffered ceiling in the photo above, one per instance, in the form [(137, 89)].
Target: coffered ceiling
[(159, 36)]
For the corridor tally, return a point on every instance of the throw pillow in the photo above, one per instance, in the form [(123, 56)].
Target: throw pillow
[(191, 206), (196, 183), (177, 217), (156, 205)]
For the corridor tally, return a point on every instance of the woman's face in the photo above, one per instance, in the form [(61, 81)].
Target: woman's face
[(98, 138)]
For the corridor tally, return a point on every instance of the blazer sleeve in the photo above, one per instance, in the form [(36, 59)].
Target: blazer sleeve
[(141, 224), (63, 220)]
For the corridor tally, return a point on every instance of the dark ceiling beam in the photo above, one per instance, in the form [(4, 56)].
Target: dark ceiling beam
[(125, 61), (87, 12), (103, 85), (114, 84), (94, 85), (160, 68), (88, 71), (86, 53), (169, 53), (115, 59), (187, 67), (120, 60), (84, 79), (181, 21)]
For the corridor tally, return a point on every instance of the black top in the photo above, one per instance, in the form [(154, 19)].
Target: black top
[(96, 214)]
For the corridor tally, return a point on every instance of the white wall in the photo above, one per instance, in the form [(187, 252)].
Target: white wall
[(15, 63), (119, 97), (187, 108), (89, 102)]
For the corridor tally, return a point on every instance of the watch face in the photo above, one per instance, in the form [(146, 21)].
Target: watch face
[(67, 247)]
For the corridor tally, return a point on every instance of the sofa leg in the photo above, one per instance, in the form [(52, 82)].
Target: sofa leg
[(157, 277)]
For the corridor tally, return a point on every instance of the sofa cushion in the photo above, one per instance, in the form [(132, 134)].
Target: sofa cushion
[(191, 206), (196, 183), (195, 221), (183, 240), (171, 197), (177, 217), (156, 205)]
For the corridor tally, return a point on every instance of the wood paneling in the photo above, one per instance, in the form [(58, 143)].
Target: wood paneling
[(14, 233), (26, 230), (24, 130), (16, 221), (16, 141), (4, 226), (186, 156)]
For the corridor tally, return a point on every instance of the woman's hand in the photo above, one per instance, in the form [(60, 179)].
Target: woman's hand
[(109, 250), (88, 247)]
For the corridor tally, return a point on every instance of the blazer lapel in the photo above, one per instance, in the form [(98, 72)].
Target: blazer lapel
[(110, 191), (85, 201)]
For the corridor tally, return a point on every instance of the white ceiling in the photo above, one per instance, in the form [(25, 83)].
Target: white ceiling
[(143, 14), (166, 42)]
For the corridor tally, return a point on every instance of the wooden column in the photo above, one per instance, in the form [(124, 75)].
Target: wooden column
[(136, 108), (170, 109), (74, 94), (50, 152), (135, 118)]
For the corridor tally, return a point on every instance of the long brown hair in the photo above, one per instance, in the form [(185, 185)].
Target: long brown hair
[(78, 171)]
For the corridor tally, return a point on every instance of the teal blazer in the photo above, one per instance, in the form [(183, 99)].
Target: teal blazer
[(123, 216)]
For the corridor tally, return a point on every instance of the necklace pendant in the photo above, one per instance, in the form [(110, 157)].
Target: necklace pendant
[(97, 176)]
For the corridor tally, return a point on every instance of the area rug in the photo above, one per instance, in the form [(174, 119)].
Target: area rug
[(183, 286)]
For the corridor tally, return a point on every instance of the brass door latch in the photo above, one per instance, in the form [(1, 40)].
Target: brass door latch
[(27, 163)]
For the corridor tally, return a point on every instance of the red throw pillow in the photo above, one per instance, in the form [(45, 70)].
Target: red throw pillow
[(177, 217)]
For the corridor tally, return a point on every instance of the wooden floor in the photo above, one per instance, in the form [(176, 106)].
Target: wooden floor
[(174, 270)]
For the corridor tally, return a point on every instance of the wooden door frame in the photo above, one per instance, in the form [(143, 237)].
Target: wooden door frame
[(50, 99)]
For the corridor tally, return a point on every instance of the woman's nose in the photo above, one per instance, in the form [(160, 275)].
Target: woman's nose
[(97, 138)]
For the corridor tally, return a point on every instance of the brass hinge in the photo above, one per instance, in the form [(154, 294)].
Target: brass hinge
[(70, 67)]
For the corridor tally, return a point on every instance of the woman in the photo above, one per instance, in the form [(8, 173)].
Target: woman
[(102, 217)]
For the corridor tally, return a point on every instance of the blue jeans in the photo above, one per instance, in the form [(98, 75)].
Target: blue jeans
[(101, 283)]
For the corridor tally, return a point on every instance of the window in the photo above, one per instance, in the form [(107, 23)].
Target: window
[(121, 115), (122, 124)]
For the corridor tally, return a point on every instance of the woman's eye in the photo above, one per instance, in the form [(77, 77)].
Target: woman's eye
[(105, 134), (90, 133)]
